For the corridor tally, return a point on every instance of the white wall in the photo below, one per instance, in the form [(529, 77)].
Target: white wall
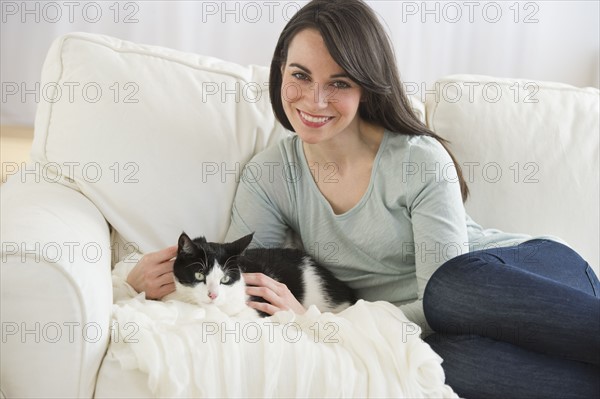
[(542, 40)]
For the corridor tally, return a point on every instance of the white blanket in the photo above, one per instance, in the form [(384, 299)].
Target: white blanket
[(368, 350)]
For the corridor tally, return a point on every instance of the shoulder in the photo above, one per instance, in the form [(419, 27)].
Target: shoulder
[(275, 156), (427, 149), (280, 150), (424, 168), (416, 150), (272, 161), (275, 172)]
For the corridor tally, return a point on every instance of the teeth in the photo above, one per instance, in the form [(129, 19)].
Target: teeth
[(313, 119)]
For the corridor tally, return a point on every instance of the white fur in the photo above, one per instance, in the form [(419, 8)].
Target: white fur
[(231, 299), (313, 288)]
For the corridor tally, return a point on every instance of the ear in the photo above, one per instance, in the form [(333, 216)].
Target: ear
[(186, 245), (239, 245)]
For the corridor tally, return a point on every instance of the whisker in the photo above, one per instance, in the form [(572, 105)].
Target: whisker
[(205, 257), (230, 259), (202, 265)]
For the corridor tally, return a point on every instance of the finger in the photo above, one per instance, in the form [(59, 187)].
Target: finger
[(163, 255), (154, 271), (164, 268), (261, 280), (266, 294), (264, 307), (157, 292), (166, 289), (166, 278), (170, 252)]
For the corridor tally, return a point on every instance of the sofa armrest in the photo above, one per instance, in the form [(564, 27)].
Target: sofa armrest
[(56, 292)]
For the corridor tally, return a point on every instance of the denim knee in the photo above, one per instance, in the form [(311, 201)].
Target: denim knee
[(444, 281), (454, 278)]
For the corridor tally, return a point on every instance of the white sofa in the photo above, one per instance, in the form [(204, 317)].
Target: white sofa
[(151, 141)]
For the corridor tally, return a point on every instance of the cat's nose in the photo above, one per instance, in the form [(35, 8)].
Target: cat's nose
[(212, 295)]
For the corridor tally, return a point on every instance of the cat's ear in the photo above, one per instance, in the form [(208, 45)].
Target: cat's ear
[(239, 245), (186, 245)]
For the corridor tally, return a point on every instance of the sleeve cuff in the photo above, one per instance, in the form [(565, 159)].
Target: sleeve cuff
[(121, 289)]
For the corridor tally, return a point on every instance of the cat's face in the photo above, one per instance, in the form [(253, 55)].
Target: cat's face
[(207, 273)]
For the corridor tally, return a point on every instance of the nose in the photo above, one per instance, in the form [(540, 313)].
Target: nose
[(320, 95), (212, 295)]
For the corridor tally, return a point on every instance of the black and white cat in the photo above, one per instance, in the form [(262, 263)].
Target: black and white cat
[(211, 273)]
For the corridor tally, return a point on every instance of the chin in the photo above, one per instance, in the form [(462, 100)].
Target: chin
[(311, 135), (202, 301), (308, 138)]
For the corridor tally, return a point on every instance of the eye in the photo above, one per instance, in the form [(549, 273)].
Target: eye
[(199, 276), (300, 76), (225, 279), (340, 85)]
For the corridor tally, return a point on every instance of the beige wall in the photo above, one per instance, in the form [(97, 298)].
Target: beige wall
[(15, 144)]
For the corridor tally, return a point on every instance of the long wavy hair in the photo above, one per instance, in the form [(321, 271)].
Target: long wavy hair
[(358, 43)]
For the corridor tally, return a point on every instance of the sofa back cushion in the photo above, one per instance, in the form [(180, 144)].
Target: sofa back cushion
[(529, 151), (154, 137)]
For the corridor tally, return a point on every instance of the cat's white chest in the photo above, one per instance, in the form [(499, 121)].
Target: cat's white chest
[(231, 300)]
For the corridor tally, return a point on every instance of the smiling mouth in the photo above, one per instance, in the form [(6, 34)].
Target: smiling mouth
[(312, 120)]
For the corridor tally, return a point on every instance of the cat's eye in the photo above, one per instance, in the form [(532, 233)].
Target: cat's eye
[(199, 276), (225, 279)]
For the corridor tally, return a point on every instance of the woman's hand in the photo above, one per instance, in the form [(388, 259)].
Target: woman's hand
[(277, 295), (153, 274)]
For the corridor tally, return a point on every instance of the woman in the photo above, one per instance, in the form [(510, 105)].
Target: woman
[(355, 184)]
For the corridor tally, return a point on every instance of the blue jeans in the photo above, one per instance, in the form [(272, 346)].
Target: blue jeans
[(517, 322)]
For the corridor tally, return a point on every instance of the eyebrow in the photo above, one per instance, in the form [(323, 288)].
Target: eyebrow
[(305, 69)]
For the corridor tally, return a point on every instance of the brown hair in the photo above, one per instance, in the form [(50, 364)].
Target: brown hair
[(358, 43)]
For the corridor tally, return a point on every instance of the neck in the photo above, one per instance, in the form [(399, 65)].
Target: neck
[(347, 147)]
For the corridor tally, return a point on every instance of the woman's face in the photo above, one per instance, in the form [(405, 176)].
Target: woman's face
[(319, 99)]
